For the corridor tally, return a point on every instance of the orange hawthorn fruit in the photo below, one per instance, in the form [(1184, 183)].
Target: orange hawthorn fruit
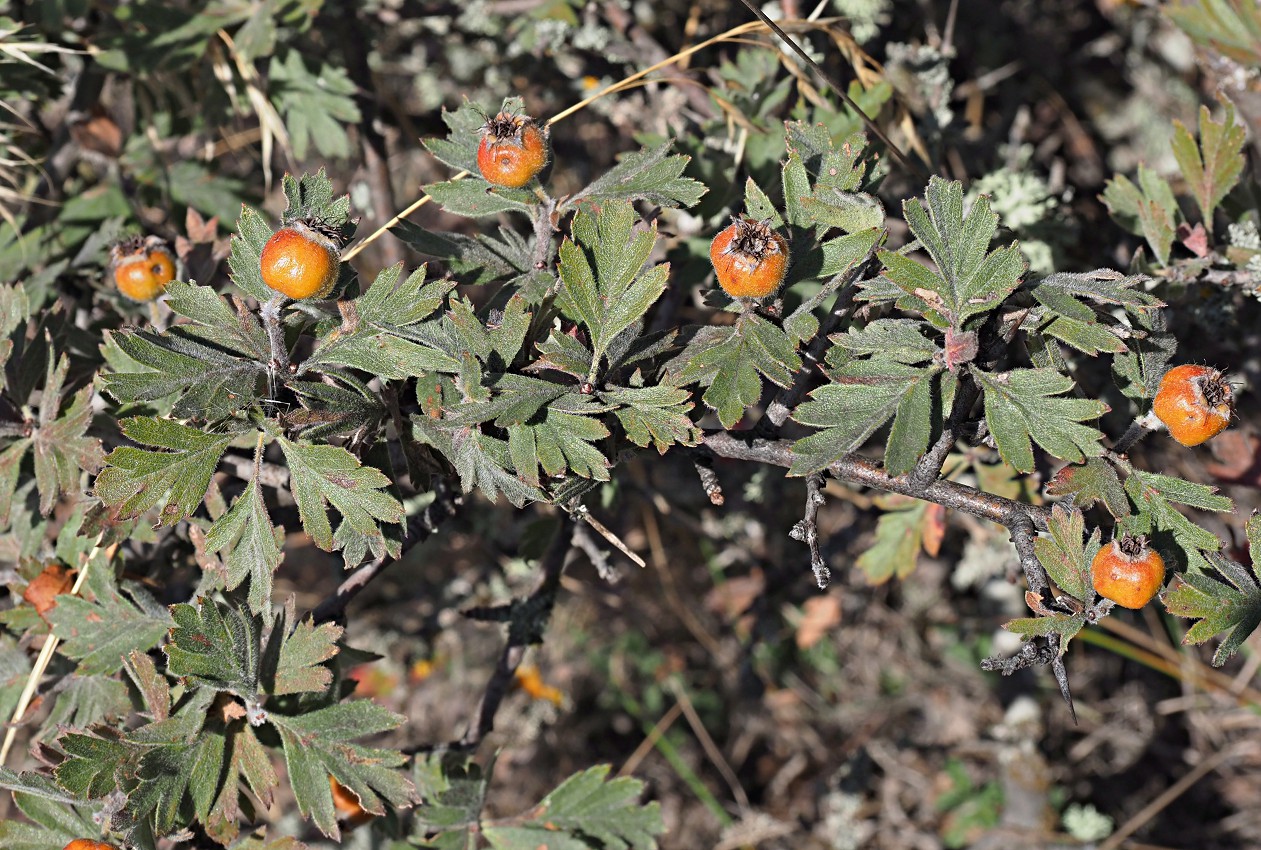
[(529, 679), (300, 260), (512, 151), (88, 844), (44, 589), (142, 267), (750, 258), (347, 804), (1127, 571), (1194, 402)]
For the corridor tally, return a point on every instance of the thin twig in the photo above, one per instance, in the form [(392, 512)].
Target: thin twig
[(1030, 655), (703, 461), (1021, 519), (539, 605), (543, 229), (583, 513), (857, 470), (598, 557), (1022, 535), (928, 468), (778, 411), (807, 530), (1053, 643), (420, 527), (836, 87)]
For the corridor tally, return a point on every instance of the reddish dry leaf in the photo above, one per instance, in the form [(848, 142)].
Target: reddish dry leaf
[(228, 708), (960, 348), (98, 132), (735, 596), (44, 589), (822, 613), (933, 529), (347, 804), (372, 681), (1195, 239), (1238, 454), (200, 229)]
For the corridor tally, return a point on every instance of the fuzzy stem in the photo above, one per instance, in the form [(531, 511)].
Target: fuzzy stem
[(270, 313), (1139, 428)]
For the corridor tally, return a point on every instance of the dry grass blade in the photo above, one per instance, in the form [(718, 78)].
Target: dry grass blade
[(1172, 661), (732, 35), (269, 121), (45, 657), (832, 84), (1164, 800), (24, 51), (707, 744), (581, 512), (645, 746)]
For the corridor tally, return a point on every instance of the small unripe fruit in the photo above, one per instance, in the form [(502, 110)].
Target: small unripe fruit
[(1127, 572), (512, 151), (1194, 402), (88, 844), (301, 259), (750, 259), (142, 267)]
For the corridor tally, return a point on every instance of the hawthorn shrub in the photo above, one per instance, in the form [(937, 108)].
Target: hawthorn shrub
[(547, 344)]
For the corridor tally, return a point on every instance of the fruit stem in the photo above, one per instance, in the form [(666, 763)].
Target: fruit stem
[(543, 229), (270, 313), (1139, 428)]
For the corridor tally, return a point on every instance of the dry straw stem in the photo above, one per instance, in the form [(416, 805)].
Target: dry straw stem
[(1173, 662), (733, 34), (1162, 802), (46, 655), (650, 741), (272, 126)]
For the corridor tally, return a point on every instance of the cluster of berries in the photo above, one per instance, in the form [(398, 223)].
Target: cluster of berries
[(301, 260), (1195, 403)]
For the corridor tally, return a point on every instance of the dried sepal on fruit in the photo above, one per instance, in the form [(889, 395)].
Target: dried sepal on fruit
[(1195, 403), (141, 267), (1128, 571), (750, 258), (44, 589), (513, 150), (301, 260)]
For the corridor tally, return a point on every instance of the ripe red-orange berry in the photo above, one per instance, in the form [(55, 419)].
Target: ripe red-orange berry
[(88, 844), (1127, 571), (1194, 402), (512, 151), (750, 258), (142, 267), (301, 259), (347, 804)]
